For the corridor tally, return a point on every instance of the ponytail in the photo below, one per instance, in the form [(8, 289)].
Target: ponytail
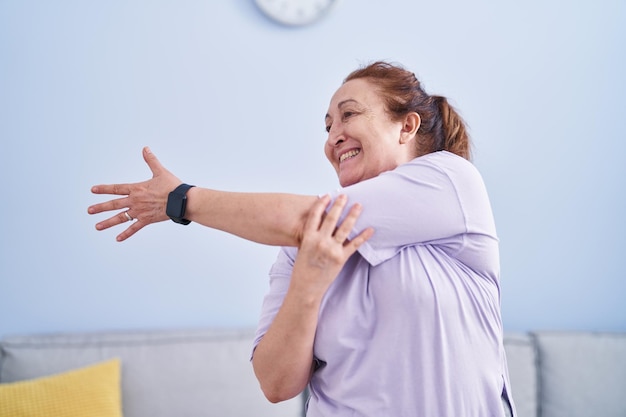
[(453, 135)]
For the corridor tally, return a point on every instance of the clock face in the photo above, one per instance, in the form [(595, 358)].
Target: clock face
[(295, 12)]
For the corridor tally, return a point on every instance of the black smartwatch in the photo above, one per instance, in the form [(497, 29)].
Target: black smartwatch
[(177, 203)]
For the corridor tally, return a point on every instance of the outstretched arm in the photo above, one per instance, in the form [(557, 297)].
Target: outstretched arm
[(283, 359), (268, 218)]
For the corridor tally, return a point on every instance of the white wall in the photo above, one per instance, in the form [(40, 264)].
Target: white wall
[(229, 100)]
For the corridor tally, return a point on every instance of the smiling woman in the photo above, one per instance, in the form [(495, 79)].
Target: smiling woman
[(389, 307), (363, 139)]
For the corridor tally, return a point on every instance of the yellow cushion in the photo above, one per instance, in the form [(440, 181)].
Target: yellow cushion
[(92, 391)]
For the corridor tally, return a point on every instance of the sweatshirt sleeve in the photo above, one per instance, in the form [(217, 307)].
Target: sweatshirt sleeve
[(437, 198)]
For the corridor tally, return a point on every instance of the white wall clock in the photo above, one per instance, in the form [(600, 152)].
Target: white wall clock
[(295, 12)]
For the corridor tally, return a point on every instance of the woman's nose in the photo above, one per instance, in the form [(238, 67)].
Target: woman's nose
[(335, 137)]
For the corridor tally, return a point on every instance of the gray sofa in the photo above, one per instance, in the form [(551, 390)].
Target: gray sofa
[(207, 372)]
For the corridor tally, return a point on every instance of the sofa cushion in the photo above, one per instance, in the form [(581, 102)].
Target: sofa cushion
[(92, 391), (179, 373), (582, 374), (522, 360)]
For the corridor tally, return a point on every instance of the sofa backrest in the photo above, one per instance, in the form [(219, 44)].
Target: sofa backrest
[(582, 374), (207, 372), (164, 374), (567, 374)]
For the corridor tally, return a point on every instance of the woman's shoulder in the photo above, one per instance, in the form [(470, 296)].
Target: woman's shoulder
[(442, 164), (445, 159), (460, 175)]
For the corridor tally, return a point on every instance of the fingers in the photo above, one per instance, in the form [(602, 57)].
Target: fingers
[(143, 207), (131, 230), (328, 225), (152, 161), (125, 189), (119, 218), (114, 189), (342, 232), (316, 214), (332, 216), (361, 238), (117, 204), (344, 229)]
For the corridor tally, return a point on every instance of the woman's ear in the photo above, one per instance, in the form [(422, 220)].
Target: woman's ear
[(410, 127)]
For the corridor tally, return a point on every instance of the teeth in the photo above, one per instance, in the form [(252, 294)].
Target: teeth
[(349, 154)]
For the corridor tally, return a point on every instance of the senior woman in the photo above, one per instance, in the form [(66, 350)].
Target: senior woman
[(390, 307)]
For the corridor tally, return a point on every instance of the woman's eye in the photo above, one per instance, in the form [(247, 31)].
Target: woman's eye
[(344, 116)]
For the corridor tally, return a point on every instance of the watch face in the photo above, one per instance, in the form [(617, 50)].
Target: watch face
[(175, 208), (295, 12)]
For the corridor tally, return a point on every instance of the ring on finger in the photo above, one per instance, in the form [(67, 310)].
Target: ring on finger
[(128, 216)]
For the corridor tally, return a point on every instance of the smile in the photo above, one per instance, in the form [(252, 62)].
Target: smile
[(349, 154)]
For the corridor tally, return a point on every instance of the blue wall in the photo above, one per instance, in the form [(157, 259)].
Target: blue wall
[(229, 100)]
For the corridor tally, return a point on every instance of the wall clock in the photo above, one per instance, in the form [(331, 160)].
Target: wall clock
[(295, 12)]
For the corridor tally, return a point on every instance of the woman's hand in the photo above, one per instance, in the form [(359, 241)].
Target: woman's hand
[(325, 247), (142, 203), (283, 359)]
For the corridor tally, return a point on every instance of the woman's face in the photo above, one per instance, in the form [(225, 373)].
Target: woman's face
[(362, 139)]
